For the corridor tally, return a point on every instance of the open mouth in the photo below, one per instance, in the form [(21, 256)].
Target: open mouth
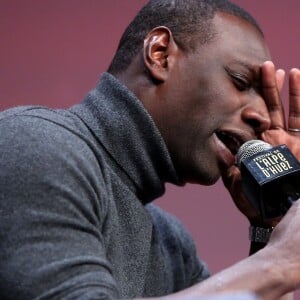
[(231, 141)]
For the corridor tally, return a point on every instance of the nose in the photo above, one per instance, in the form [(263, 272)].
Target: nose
[(257, 116)]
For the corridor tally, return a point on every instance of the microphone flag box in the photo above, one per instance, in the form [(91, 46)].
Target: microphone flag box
[(271, 180)]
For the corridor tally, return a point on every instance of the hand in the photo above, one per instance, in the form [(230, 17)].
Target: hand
[(272, 83), (280, 132), (233, 182)]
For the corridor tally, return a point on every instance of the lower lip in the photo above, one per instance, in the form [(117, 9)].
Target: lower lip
[(226, 158)]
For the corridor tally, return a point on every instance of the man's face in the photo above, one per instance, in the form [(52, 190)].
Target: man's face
[(212, 101)]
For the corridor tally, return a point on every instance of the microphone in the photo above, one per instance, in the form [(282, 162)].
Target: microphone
[(270, 177)]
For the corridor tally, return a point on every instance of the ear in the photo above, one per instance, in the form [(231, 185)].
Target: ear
[(159, 51)]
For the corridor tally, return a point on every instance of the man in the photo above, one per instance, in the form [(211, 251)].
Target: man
[(190, 82)]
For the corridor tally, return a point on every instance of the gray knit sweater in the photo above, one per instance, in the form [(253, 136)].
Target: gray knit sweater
[(75, 218)]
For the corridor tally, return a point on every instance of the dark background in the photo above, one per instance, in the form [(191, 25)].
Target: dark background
[(52, 53)]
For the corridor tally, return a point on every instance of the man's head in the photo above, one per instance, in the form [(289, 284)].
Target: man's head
[(189, 21), (201, 83)]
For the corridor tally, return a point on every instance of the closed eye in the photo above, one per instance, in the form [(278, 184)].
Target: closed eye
[(240, 81)]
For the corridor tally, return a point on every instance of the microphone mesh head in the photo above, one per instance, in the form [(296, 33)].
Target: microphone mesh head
[(251, 148)]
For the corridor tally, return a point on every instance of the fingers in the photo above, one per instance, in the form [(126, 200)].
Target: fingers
[(294, 105), (280, 76), (232, 181), (272, 82)]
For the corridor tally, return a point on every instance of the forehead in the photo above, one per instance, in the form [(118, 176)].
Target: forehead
[(239, 39)]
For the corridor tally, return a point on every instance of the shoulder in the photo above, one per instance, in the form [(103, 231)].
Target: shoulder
[(39, 122), (40, 146), (47, 165), (53, 202), (40, 132)]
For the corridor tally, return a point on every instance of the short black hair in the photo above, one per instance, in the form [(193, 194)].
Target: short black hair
[(189, 21)]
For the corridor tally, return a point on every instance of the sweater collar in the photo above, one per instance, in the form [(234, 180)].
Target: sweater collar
[(125, 129)]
